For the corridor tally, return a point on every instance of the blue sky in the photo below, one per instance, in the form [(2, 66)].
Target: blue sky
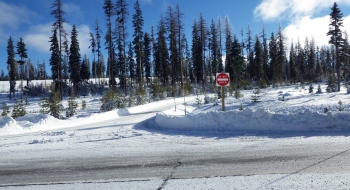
[(31, 19)]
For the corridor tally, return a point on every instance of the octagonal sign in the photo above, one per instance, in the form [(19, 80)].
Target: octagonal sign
[(222, 79)]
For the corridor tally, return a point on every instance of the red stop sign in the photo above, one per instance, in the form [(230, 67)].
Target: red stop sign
[(222, 79)]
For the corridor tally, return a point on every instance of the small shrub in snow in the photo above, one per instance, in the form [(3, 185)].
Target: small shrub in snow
[(199, 100), (71, 110), (241, 107), (83, 104), (51, 105), (158, 92), (311, 88), (256, 95), (5, 109), (332, 84), (112, 100), (319, 90), (18, 110), (340, 108)]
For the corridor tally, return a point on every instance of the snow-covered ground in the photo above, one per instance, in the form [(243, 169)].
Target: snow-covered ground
[(301, 114)]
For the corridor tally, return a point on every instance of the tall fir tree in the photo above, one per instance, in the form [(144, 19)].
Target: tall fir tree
[(131, 64), (137, 21), (336, 39), (121, 9), (58, 13), (273, 58), (74, 60), (22, 53), (109, 13), (85, 69), (161, 61), (146, 58), (11, 66)]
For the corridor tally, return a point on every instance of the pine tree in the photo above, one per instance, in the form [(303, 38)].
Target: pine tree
[(55, 60), (146, 57), (336, 36), (85, 70), (236, 64), (74, 60), (58, 13), (18, 110), (5, 109), (273, 58), (161, 54), (51, 105), (137, 21), (122, 14), (109, 12), (11, 66), (99, 65), (22, 53), (258, 61), (281, 56), (71, 110), (292, 64), (93, 50), (131, 62)]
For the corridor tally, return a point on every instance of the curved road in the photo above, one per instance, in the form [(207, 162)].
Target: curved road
[(86, 158)]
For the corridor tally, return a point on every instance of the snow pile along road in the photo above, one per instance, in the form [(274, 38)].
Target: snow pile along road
[(256, 120)]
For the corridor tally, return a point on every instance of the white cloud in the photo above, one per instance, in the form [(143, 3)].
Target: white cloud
[(269, 10), (316, 28), (302, 19), (12, 17), (38, 37)]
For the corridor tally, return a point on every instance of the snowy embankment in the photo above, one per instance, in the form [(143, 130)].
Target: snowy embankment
[(256, 120), (301, 112)]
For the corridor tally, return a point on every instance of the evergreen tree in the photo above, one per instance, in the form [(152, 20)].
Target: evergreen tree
[(258, 70), (93, 50), (22, 53), (273, 58), (109, 12), (51, 105), (161, 54), (74, 60), (121, 20), (55, 60), (293, 69), (11, 66), (236, 64), (30, 67), (131, 61), (265, 56), (202, 27), (281, 56), (146, 58), (137, 21), (5, 109), (71, 110), (250, 53), (58, 13), (85, 70), (214, 61), (336, 18), (99, 65), (18, 110), (219, 34)]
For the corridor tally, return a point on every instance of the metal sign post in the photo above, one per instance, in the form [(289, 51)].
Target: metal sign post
[(222, 79)]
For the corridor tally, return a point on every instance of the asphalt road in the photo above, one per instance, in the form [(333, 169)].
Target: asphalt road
[(265, 157)]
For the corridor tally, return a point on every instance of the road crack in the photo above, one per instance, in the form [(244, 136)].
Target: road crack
[(165, 181)]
